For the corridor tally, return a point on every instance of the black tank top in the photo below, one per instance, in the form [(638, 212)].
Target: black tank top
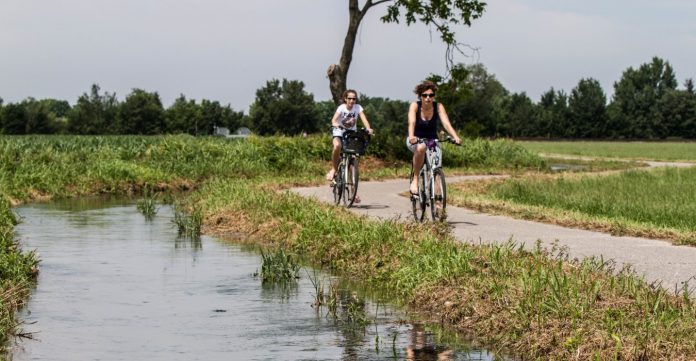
[(426, 128)]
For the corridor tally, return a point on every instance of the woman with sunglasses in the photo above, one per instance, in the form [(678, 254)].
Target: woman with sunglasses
[(345, 118), (424, 116)]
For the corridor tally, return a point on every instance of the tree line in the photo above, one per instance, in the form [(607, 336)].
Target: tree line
[(646, 104)]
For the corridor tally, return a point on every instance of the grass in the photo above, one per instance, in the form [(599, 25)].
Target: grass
[(43, 167), (188, 222), (658, 203), (18, 271), (667, 151), (148, 207)]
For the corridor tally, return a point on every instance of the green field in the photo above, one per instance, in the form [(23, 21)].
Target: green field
[(659, 203), (668, 151)]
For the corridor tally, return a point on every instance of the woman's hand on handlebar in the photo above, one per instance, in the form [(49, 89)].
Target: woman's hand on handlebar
[(454, 140)]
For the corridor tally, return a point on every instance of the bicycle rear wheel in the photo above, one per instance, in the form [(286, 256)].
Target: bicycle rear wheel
[(438, 190), (352, 179), (338, 184), (418, 204)]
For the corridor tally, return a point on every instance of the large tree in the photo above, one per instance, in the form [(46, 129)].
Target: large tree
[(94, 113), (634, 111), (588, 109), (284, 108), (142, 113), (14, 119), (443, 15), (470, 93)]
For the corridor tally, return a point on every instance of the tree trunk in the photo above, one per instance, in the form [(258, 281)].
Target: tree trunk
[(338, 73)]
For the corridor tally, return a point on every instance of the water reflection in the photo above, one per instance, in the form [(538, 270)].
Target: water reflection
[(115, 286)]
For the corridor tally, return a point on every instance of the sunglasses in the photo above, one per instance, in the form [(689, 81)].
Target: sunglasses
[(352, 98), (428, 95)]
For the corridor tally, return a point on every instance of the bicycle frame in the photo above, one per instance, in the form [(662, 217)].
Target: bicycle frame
[(431, 185), (346, 179)]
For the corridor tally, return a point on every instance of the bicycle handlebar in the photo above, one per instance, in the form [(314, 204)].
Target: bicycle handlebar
[(361, 129), (447, 139), (452, 141)]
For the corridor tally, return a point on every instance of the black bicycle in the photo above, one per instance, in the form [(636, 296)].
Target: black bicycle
[(346, 179), (432, 189)]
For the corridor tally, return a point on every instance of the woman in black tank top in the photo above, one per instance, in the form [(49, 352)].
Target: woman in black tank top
[(424, 116)]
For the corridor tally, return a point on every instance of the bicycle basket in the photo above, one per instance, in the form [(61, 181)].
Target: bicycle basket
[(355, 143)]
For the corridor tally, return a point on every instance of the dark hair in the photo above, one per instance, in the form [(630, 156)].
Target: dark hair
[(426, 85), (345, 94)]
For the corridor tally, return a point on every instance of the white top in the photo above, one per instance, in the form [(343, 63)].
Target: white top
[(349, 118)]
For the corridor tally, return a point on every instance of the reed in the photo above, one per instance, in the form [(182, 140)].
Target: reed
[(148, 207), (279, 267), (18, 272), (188, 224)]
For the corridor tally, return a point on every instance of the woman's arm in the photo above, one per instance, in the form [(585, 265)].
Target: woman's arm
[(363, 118), (446, 123), (412, 109), (334, 120)]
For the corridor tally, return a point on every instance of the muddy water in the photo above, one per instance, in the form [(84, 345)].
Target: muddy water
[(114, 286)]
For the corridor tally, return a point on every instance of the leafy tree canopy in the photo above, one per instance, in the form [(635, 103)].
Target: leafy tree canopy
[(142, 113), (94, 113), (443, 15), (283, 108)]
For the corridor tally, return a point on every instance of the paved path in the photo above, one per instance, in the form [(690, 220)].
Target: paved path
[(657, 260)]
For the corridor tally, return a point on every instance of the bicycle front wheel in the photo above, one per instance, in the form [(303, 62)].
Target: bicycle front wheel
[(338, 185), (418, 204), (439, 196), (352, 179)]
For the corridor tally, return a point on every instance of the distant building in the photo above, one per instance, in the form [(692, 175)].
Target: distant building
[(242, 132), (221, 131)]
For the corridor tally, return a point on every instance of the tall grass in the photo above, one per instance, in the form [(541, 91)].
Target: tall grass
[(41, 167), (17, 274), (674, 151), (279, 267), (36, 167), (487, 154)]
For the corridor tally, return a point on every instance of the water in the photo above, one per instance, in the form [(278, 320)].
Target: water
[(114, 286)]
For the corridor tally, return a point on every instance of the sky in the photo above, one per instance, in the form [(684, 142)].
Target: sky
[(224, 50)]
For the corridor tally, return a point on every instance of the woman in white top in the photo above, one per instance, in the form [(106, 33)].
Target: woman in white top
[(346, 117)]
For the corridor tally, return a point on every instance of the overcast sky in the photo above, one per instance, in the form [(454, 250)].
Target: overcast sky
[(225, 50)]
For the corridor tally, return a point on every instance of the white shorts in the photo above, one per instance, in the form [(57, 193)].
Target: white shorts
[(338, 132)]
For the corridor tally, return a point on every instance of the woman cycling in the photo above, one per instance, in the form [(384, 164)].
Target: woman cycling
[(345, 117), (423, 117)]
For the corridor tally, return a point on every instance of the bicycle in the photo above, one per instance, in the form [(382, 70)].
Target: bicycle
[(432, 189), (346, 178)]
